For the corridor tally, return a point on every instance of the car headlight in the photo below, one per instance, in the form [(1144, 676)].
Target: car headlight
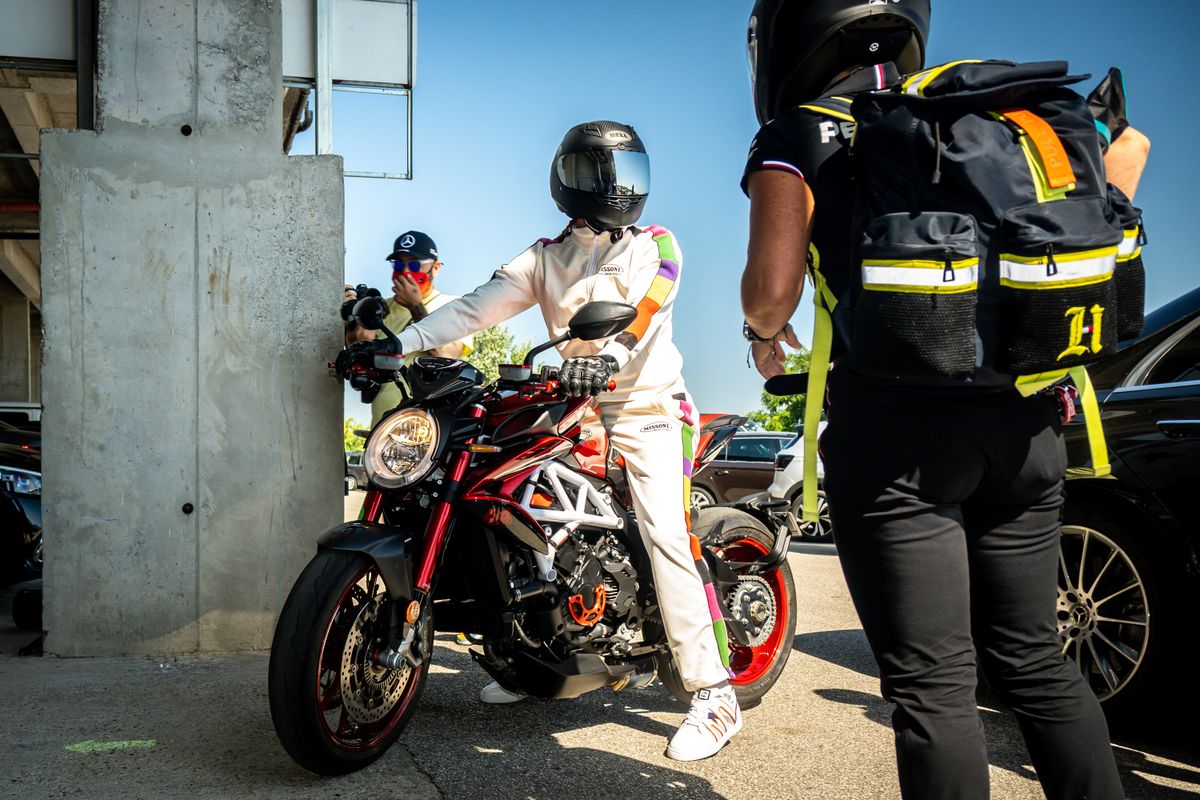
[(401, 450), (20, 481)]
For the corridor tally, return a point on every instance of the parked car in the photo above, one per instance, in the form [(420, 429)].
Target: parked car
[(1129, 582), (21, 531), (744, 467), (22, 437), (788, 484), (356, 473)]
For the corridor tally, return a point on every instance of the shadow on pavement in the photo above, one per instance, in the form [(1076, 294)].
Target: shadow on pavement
[(545, 749), (1172, 738)]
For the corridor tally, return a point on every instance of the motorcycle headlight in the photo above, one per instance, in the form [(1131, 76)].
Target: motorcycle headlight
[(20, 481), (401, 450)]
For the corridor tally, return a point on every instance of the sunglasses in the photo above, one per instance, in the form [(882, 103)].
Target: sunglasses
[(413, 265)]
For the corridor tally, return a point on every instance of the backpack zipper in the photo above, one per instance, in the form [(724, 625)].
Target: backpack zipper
[(948, 272), (1051, 265)]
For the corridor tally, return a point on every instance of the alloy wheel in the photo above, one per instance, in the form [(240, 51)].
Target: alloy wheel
[(822, 529), (1103, 614)]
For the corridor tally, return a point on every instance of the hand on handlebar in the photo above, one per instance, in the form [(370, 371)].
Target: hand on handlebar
[(587, 375)]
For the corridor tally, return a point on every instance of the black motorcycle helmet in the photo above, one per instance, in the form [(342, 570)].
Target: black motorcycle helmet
[(797, 47), (601, 173)]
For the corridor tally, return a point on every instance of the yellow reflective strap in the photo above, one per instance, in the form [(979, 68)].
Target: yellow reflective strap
[(1091, 417), (1028, 385), (818, 371)]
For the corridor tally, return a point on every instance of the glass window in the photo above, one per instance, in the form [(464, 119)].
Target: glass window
[(1181, 363), (751, 449)]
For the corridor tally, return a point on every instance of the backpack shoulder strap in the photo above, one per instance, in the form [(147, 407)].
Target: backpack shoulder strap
[(837, 107)]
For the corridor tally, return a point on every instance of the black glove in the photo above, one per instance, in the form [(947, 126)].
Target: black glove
[(1107, 104), (587, 375)]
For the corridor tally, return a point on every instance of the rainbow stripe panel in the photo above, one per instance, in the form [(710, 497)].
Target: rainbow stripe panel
[(689, 437), (660, 287)]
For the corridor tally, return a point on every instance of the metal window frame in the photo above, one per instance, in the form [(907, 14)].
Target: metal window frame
[(325, 86)]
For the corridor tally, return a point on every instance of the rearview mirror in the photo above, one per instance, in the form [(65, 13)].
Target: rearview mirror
[(370, 312), (601, 319)]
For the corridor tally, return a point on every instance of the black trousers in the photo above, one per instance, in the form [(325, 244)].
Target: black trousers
[(946, 515)]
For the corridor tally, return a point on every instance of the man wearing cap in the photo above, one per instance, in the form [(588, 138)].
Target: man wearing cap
[(415, 264)]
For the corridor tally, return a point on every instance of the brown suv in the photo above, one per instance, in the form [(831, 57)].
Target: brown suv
[(746, 466)]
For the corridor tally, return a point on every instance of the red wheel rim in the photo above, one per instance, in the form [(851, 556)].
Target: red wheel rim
[(749, 664), (346, 734)]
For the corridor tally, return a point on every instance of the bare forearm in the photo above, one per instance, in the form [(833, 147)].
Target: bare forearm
[(1126, 159), (780, 221)]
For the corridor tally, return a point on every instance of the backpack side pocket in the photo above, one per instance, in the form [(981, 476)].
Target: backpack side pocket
[(915, 316), (1130, 278), (1057, 294)]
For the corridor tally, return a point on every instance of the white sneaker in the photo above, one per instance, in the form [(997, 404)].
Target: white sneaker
[(496, 694), (711, 722)]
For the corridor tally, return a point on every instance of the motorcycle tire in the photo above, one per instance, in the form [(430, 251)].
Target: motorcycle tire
[(325, 626), (756, 669), (27, 609)]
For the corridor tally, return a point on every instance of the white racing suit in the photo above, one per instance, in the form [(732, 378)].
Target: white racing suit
[(649, 416)]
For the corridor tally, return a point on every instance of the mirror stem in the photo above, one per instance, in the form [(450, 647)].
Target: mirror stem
[(392, 341), (541, 348)]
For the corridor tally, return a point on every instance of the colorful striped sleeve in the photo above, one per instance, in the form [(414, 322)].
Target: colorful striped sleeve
[(654, 305)]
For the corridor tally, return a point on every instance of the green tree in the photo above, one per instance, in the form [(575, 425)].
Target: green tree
[(784, 413), (495, 346), (352, 442)]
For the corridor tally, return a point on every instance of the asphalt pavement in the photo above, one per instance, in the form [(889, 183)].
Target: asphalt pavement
[(199, 727)]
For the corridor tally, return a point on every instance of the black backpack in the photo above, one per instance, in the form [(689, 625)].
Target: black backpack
[(988, 246), (987, 236)]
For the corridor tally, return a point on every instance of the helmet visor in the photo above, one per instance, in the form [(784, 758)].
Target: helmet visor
[(610, 172)]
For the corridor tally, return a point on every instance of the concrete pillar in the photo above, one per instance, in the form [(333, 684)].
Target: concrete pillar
[(16, 349), (190, 273)]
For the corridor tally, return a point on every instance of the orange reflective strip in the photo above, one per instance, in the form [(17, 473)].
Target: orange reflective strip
[(645, 310), (1054, 156)]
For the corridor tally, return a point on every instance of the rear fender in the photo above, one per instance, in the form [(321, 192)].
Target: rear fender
[(391, 549), (774, 515)]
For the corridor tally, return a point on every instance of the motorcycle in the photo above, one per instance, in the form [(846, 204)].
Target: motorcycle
[(497, 511)]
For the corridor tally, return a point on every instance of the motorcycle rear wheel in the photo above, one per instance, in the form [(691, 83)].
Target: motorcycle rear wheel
[(757, 668), (334, 710)]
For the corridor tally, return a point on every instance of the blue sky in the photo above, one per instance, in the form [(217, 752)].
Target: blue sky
[(499, 83)]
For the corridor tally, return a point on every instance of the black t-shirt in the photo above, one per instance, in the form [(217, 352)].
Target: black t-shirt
[(814, 146)]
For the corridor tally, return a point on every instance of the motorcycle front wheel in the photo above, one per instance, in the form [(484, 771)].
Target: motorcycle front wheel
[(335, 710)]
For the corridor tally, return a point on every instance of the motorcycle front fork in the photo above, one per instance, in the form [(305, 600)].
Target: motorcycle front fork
[(433, 544)]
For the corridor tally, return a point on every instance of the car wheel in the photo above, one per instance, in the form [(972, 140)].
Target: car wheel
[(702, 498), (819, 532), (351, 483), (1113, 609)]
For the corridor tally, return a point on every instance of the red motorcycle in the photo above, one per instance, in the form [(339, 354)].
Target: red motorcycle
[(493, 512)]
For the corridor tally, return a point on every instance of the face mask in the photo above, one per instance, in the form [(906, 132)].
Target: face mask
[(413, 269)]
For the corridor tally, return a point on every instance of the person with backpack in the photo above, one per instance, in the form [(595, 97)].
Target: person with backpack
[(967, 254)]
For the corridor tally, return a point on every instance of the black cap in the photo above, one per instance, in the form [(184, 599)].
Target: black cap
[(416, 243)]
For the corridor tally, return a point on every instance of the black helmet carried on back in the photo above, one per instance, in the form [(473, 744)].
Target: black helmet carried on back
[(797, 47), (601, 173)]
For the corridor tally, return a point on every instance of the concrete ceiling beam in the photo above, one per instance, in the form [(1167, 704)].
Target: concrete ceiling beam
[(22, 270)]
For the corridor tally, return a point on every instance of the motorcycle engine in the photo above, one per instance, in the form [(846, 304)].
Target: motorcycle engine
[(598, 592)]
